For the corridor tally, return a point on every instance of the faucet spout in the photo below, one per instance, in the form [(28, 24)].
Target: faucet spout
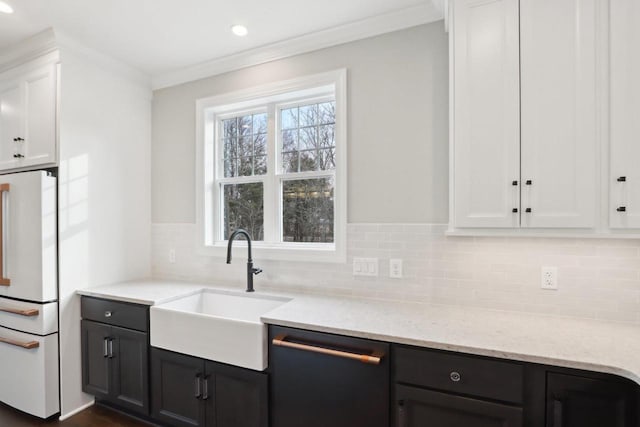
[(251, 271)]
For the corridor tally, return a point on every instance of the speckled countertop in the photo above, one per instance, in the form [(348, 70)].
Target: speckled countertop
[(600, 346)]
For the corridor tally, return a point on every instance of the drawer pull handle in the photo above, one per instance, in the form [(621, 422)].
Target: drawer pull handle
[(364, 358), (108, 314), (455, 376), (198, 390), (105, 347), (4, 281), (205, 388), (28, 344), (29, 312)]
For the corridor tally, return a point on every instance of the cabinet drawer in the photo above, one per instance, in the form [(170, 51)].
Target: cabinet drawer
[(126, 315), (469, 375)]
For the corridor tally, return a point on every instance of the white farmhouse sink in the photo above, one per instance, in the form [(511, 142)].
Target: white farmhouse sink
[(215, 325)]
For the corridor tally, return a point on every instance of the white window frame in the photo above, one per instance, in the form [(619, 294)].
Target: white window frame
[(209, 112)]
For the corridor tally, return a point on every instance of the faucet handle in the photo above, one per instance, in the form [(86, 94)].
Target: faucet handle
[(256, 271)]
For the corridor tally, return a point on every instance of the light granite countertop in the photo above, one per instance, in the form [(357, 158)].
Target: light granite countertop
[(599, 346)]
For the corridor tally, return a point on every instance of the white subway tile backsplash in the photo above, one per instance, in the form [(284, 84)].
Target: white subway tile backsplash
[(598, 278)]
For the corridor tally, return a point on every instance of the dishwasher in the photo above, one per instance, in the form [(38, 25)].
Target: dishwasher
[(325, 380)]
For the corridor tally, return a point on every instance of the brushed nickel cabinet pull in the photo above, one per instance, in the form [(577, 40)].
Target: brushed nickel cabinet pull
[(29, 312), (29, 345), (4, 281), (364, 358)]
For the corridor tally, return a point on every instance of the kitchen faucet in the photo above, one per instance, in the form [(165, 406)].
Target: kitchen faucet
[(250, 270)]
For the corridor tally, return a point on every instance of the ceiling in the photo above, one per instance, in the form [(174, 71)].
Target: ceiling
[(159, 36)]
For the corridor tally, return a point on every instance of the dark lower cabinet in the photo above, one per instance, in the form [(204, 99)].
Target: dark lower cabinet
[(576, 401), (189, 391), (416, 407), (115, 365)]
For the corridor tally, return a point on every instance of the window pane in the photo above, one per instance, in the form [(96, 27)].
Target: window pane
[(230, 167), (259, 123), (307, 210), (260, 165), (308, 160), (246, 166), (326, 136), (308, 115), (290, 118), (290, 162), (308, 138), (260, 144), (230, 128), (290, 140), (327, 113), (327, 159), (244, 208), (245, 125), (245, 146)]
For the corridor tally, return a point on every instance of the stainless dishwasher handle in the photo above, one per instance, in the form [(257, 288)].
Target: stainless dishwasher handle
[(364, 358)]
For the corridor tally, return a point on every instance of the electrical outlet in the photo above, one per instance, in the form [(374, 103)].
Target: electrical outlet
[(365, 266), (395, 268), (549, 278), (172, 256)]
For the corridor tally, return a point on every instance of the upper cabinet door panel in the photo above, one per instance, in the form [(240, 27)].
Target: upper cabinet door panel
[(559, 113), (625, 113), (486, 127), (11, 121), (40, 114)]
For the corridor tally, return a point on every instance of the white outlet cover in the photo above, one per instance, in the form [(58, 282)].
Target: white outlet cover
[(549, 278), (395, 268)]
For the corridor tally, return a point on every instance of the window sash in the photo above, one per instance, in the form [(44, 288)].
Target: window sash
[(273, 180)]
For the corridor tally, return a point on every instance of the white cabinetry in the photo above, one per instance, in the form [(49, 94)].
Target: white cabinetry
[(624, 206), (486, 113), (559, 133), (524, 114), (28, 116)]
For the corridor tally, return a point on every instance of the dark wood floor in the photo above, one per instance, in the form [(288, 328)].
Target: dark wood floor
[(95, 416)]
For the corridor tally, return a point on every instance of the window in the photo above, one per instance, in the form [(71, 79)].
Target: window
[(272, 160)]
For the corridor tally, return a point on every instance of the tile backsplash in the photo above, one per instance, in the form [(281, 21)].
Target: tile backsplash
[(597, 278)]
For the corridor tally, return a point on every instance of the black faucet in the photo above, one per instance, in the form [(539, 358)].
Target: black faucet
[(250, 270)]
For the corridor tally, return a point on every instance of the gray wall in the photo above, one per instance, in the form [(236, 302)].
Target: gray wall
[(398, 128)]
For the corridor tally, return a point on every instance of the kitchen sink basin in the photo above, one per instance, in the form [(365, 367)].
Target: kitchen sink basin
[(215, 325)]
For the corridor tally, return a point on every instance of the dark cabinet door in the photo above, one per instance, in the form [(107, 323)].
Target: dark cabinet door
[(416, 407), (130, 370), (96, 376), (177, 389), (317, 384), (574, 401), (235, 397)]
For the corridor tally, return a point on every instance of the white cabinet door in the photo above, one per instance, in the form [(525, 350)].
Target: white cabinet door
[(559, 114), (625, 114), (39, 145), (486, 127), (28, 118), (11, 121)]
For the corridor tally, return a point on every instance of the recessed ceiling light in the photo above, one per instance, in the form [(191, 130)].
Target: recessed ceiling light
[(239, 30), (5, 7)]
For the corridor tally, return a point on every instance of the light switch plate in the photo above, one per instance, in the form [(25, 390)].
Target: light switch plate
[(365, 267)]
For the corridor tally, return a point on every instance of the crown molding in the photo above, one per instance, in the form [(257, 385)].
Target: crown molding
[(380, 24), (30, 48)]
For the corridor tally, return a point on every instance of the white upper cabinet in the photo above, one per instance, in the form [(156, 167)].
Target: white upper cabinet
[(28, 105), (559, 114), (624, 207), (525, 116), (486, 136)]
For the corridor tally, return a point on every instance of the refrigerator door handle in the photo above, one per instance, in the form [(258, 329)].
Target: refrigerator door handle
[(4, 188)]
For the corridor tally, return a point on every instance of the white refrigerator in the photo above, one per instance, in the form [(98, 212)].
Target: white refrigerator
[(29, 368)]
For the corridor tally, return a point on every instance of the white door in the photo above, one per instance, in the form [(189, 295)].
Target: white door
[(559, 120), (39, 145), (624, 187), (11, 121), (28, 239), (486, 115)]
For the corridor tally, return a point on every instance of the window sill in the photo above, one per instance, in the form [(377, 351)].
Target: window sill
[(304, 252)]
